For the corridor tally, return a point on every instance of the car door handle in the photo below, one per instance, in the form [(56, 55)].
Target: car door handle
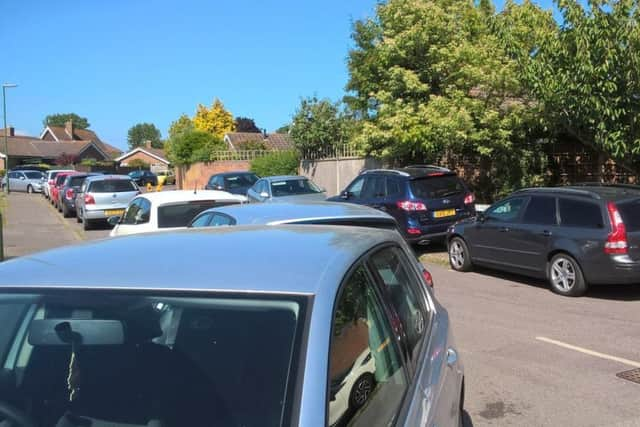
[(452, 357), (504, 229), (546, 233)]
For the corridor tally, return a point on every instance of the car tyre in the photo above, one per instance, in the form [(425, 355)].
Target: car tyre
[(65, 211), (361, 390), (86, 223), (29, 189), (459, 256), (565, 276)]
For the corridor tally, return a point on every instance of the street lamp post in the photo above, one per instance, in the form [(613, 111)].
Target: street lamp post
[(6, 144)]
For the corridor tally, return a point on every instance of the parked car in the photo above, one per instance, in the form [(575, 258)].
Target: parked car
[(166, 210), (103, 196), (319, 307), (232, 182), (50, 180), (24, 180), (144, 177), (42, 169), (425, 200), (571, 236), (288, 188), (57, 184), (67, 193), (166, 177)]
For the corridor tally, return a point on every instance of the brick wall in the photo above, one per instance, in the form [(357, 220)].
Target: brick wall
[(197, 175)]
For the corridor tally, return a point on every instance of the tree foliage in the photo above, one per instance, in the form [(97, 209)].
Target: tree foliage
[(142, 132), (183, 124), (586, 76), (318, 124), (276, 163), (215, 120), (245, 124), (193, 146), (61, 119)]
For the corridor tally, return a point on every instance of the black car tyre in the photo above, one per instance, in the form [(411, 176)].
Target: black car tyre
[(65, 211), (361, 390), (86, 224), (565, 276), (29, 189), (459, 257)]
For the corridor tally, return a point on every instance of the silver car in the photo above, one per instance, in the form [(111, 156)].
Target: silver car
[(103, 196), (25, 180), (330, 325), (285, 188)]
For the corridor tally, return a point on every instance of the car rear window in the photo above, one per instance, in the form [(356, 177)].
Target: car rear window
[(630, 213), (76, 181), (292, 187), (437, 186), (167, 360), (578, 213), (181, 214), (112, 186), (239, 181)]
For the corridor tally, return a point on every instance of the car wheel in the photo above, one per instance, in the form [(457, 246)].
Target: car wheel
[(29, 189), (65, 211), (361, 391), (565, 276), (459, 257), (86, 224)]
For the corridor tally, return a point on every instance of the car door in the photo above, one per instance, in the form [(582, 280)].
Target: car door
[(490, 240), (353, 192), (533, 235), (373, 191), (254, 192), (19, 181), (393, 193), (136, 218)]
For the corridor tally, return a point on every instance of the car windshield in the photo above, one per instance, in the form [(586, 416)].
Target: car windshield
[(291, 187), (135, 174), (89, 358), (239, 181), (181, 214), (34, 175), (437, 186), (112, 186)]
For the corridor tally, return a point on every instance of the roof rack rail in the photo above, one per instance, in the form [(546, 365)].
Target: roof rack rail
[(389, 171), (563, 190), (604, 184), (429, 166)]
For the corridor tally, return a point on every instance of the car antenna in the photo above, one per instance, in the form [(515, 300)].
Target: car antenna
[(195, 188)]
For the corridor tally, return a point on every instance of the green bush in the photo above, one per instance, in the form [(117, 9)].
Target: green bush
[(138, 163), (276, 163)]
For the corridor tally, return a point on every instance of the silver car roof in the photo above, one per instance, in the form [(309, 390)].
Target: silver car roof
[(268, 213), (282, 259), (101, 177), (284, 177)]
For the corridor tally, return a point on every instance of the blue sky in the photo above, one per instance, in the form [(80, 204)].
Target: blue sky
[(122, 62)]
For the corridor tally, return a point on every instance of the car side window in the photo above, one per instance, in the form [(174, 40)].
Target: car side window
[(393, 187), (578, 213), (507, 211), (221, 219), (130, 215), (364, 362), (355, 189), (400, 286), (540, 210), (202, 220), (144, 214), (374, 187)]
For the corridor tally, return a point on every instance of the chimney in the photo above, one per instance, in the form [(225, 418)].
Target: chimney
[(68, 128), (11, 131), (147, 143)]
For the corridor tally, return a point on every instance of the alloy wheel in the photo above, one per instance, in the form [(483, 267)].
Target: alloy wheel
[(362, 391), (563, 274), (456, 254)]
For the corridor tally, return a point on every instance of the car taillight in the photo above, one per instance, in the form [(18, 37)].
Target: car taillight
[(427, 277), (69, 194), (412, 230), (409, 206), (616, 240), (89, 200), (469, 199)]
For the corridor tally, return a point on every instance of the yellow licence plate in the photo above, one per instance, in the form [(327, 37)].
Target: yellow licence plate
[(444, 213), (114, 212)]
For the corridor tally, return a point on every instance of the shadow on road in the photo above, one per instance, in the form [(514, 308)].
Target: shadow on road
[(433, 248)]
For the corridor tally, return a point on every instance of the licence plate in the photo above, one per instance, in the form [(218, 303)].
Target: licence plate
[(114, 212), (444, 213)]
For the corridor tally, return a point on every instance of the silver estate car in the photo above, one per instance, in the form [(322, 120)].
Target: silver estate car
[(285, 188), (330, 325), (103, 196), (25, 180)]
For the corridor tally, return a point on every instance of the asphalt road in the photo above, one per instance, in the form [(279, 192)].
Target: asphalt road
[(533, 358)]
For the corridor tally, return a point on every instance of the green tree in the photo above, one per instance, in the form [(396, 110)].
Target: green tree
[(216, 120), (318, 125), (142, 132), (61, 119), (283, 129), (586, 76), (245, 124), (193, 146), (183, 124)]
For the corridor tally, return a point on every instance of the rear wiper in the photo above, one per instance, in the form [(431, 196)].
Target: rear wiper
[(450, 193)]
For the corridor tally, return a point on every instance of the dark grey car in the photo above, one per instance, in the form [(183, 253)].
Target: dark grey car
[(571, 236), (67, 193), (333, 326)]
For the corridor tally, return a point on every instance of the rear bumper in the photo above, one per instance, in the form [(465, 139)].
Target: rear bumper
[(620, 269), (96, 213), (431, 232)]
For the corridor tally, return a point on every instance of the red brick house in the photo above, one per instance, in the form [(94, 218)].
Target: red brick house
[(69, 133), (155, 157)]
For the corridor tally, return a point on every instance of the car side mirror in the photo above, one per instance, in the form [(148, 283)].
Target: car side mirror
[(22, 178), (345, 194), (482, 217), (218, 187), (114, 220), (264, 195)]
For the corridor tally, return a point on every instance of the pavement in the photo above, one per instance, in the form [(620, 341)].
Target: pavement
[(531, 357)]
